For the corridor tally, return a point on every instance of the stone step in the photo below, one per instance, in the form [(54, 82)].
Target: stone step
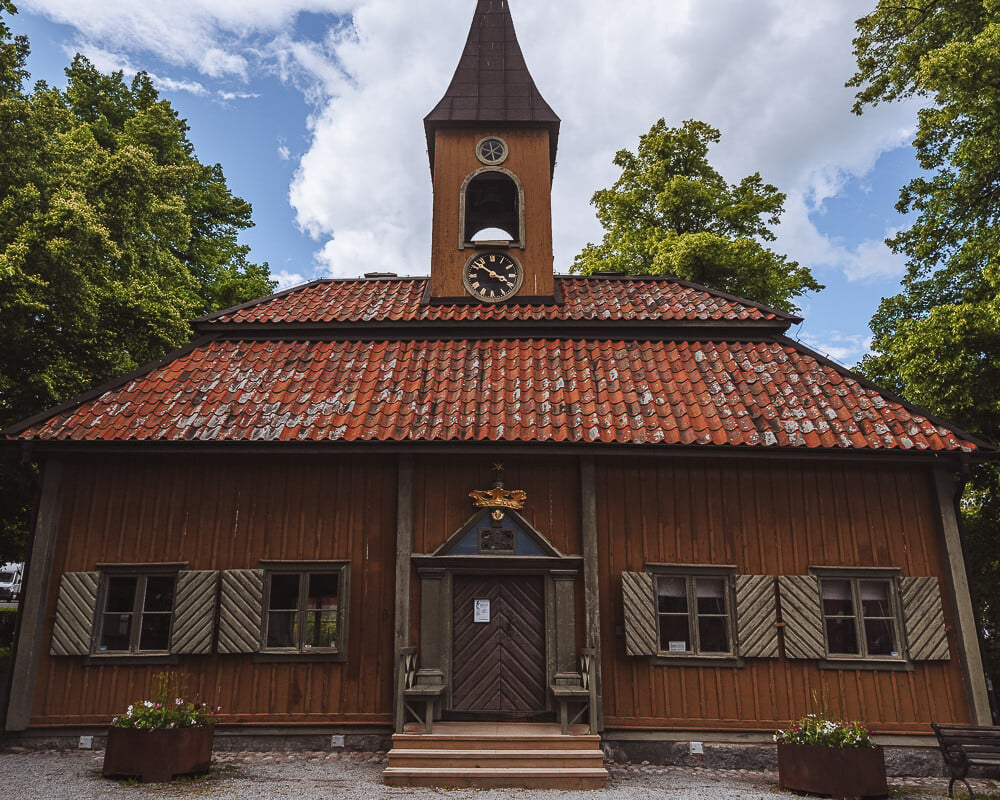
[(445, 741), (498, 777), (506, 758)]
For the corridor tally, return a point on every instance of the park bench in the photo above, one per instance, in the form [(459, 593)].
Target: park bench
[(964, 746)]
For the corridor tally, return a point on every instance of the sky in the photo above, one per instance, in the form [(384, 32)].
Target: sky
[(314, 109)]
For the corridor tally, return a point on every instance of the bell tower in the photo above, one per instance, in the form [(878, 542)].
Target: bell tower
[(492, 145)]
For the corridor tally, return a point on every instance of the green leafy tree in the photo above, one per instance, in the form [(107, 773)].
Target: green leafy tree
[(937, 342), (112, 236), (671, 213)]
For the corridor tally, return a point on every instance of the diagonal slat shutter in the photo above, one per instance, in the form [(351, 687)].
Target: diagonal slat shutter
[(194, 612), (756, 615), (76, 608), (241, 610), (923, 619), (802, 613), (641, 638)]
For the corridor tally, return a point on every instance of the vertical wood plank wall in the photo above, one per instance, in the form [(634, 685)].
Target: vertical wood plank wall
[(770, 518), (773, 517), (221, 513)]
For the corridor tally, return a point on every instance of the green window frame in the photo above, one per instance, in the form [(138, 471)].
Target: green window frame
[(305, 608), (694, 612), (135, 612), (861, 615)]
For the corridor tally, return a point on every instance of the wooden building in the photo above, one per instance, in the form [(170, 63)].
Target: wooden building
[(498, 493)]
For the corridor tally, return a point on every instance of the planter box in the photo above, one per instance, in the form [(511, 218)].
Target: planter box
[(158, 755), (841, 772)]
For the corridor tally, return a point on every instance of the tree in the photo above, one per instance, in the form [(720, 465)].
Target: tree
[(112, 236), (937, 342), (671, 213)]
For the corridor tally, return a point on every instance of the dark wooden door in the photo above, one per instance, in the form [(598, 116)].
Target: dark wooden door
[(499, 666)]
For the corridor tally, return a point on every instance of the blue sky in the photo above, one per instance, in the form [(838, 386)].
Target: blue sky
[(314, 109)]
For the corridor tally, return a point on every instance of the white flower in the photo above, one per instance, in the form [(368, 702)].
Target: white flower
[(147, 703)]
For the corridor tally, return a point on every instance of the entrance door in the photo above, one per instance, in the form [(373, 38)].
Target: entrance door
[(498, 651)]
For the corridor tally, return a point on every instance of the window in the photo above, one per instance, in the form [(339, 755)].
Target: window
[(136, 613), (860, 618), (693, 612), (304, 609)]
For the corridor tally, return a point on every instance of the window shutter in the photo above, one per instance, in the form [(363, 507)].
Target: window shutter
[(641, 637), (802, 613), (923, 619), (194, 612), (76, 608), (756, 616), (241, 610)]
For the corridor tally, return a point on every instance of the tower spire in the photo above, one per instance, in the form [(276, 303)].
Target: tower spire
[(492, 82)]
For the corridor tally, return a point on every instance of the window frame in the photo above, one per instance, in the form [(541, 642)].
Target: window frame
[(142, 573), (691, 573), (303, 569), (855, 576)]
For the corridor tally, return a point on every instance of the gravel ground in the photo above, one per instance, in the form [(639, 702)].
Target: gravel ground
[(76, 775)]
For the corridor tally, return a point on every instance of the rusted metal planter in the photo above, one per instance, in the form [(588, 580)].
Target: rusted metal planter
[(840, 772), (158, 755)]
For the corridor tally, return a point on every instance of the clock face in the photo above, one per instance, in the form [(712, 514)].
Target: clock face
[(492, 276)]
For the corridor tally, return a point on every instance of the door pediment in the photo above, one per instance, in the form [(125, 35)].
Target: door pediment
[(495, 532)]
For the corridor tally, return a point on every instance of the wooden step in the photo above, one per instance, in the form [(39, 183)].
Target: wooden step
[(488, 759), (504, 778), (444, 741)]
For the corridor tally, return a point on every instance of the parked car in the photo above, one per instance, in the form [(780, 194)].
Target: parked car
[(10, 581)]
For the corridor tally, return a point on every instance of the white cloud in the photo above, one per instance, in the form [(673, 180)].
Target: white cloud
[(287, 279), (845, 349), (768, 74)]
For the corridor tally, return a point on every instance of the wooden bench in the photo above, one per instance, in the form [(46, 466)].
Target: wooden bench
[(964, 746)]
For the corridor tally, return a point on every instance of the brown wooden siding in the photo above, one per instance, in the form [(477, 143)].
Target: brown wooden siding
[(454, 160), (218, 513), (768, 518), (441, 487)]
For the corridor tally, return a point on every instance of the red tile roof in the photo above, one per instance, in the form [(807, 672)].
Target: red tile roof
[(585, 299), (756, 395)]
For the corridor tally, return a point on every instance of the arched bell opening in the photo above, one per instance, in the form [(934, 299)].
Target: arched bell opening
[(492, 209)]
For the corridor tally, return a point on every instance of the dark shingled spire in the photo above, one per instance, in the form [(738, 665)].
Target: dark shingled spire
[(492, 82)]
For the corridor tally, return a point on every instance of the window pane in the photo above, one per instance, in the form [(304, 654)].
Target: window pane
[(116, 631), (121, 594), (875, 599), (841, 635), (714, 634), (323, 590), (159, 593), (674, 633), (155, 632), (284, 592), (837, 600), (321, 629), (116, 624), (879, 637), (321, 617), (672, 595), (711, 595), (282, 629)]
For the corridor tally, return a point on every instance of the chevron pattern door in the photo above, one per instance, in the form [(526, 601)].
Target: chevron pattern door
[(498, 662)]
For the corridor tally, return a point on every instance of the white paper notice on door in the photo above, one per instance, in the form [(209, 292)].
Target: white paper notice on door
[(480, 610)]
